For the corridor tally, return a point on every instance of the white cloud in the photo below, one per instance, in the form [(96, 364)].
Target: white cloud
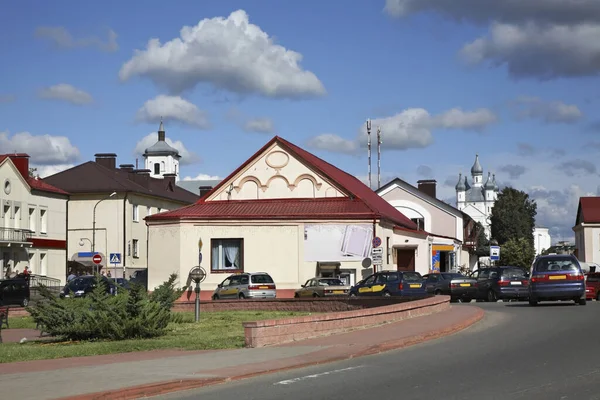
[(202, 177), (187, 156), (7, 98), (46, 170), (259, 125), (548, 111), (409, 129), (229, 53), (66, 92), (62, 38), (43, 149), (173, 108)]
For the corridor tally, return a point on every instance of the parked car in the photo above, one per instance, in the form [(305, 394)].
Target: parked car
[(458, 286), (323, 287), (391, 283), (501, 283), (140, 277), (14, 292), (557, 277), (592, 286), (82, 285), (256, 285)]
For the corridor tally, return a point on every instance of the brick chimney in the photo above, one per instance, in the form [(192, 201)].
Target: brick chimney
[(141, 177), (21, 161), (170, 178), (126, 167), (428, 186), (204, 190), (107, 160)]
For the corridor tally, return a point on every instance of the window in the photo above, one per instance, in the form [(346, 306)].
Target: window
[(387, 249), (160, 210), (32, 219), (411, 277), (149, 211), (17, 217), (227, 255), (6, 212), (136, 213), (420, 222), (135, 248), (32, 263), (43, 264), (156, 169), (43, 221), (369, 280)]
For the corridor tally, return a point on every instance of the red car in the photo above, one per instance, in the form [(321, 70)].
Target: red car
[(592, 286)]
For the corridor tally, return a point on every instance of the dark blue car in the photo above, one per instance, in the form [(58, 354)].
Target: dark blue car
[(391, 283), (556, 277)]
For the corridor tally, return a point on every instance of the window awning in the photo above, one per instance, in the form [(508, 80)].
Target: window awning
[(85, 258)]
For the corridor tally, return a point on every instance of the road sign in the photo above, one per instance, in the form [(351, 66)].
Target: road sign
[(377, 250), (376, 241), (494, 253), (115, 258), (97, 259)]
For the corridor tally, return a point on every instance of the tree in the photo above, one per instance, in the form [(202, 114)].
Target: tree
[(482, 245), (513, 216), (517, 252)]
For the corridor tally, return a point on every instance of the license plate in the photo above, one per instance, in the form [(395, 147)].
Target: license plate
[(557, 277), (465, 284), (338, 292), (516, 283), (263, 287), (415, 286)]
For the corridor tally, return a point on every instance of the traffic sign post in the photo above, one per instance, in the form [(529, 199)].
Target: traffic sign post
[(115, 259), (377, 256), (97, 259), (376, 241), (494, 253)]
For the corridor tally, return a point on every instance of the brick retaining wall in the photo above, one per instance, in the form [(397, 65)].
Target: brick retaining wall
[(277, 331)]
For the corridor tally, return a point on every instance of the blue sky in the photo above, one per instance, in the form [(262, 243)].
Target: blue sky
[(514, 81)]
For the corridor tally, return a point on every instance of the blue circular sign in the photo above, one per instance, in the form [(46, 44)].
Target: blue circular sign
[(376, 241)]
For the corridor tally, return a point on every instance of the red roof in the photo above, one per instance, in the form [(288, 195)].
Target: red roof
[(372, 205), (34, 183), (589, 210)]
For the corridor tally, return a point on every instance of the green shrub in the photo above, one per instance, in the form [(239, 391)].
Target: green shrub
[(130, 314)]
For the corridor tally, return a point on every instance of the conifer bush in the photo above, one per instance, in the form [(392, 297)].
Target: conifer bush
[(100, 316)]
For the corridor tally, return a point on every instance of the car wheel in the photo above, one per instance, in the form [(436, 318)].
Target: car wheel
[(387, 294), (437, 292), (215, 297), (296, 296), (533, 303), (315, 295), (25, 302), (598, 297), (492, 297), (465, 300), (582, 302), (353, 295), (241, 296)]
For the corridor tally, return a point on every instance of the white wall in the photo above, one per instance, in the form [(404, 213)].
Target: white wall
[(542, 240), (168, 165)]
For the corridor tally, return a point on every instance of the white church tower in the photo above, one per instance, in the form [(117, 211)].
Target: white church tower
[(477, 200), (162, 159)]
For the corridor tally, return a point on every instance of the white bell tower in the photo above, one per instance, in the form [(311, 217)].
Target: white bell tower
[(161, 158)]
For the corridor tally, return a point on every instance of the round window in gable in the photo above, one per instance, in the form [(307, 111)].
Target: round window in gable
[(7, 186)]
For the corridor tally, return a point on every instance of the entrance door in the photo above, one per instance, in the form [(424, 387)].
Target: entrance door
[(405, 259)]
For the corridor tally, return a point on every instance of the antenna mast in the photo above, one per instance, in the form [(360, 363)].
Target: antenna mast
[(369, 149), (379, 157)]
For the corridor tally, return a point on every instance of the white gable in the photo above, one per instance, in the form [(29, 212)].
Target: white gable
[(275, 174)]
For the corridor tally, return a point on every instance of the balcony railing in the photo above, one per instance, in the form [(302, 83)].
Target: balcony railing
[(12, 235)]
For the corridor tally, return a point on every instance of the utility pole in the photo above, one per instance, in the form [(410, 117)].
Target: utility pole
[(378, 157), (369, 149)]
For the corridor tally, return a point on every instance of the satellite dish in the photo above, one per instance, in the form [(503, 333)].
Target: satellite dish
[(366, 263)]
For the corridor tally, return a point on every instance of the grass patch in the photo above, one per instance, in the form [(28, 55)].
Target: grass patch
[(216, 330)]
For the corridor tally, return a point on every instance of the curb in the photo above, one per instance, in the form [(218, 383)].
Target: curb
[(160, 388)]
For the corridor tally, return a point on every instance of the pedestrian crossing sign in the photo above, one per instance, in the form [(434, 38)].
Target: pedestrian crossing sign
[(115, 258)]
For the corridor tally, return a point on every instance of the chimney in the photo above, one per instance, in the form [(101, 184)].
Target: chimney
[(170, 178), (126, 167), (108, 160), (204, 190), (428, 187), (21, 161), (141, 177)]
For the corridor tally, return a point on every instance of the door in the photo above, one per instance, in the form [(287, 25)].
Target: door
[(405, 259), (366, 288), (308, 289), (224, 289), (483, 282)]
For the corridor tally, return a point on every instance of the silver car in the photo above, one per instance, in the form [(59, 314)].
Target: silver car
[(247, 285), (323, 287)]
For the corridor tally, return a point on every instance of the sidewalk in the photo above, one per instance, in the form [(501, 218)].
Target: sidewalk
[(135, 375)]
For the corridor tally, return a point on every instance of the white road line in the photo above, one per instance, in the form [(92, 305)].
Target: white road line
[(302, 378)]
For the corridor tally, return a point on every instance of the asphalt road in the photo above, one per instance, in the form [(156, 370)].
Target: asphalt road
[(516, 352)]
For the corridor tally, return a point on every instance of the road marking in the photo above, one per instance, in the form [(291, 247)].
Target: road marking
[(302, 378)]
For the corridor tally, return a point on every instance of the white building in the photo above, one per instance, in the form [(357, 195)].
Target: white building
[(477, 198), (541, 239), (32, 221), (162, 159)]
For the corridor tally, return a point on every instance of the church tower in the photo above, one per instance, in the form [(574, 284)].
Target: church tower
[(160, 158), (477, 173)]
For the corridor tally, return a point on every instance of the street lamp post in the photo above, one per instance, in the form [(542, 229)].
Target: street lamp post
[(94, 225), (197, 274)]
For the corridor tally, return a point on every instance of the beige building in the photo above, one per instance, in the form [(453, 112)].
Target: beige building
[(107, 208), (288, 213), (32, 221), (587, 230), (452, 232)]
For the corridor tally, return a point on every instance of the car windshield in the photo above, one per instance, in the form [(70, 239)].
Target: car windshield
[(453, 276), (261, 279), (330, 282), (513, 273), (411, 277), (556, 265)]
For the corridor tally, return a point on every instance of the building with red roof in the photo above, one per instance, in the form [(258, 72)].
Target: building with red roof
[(289, 213), (32, 221), (587, 230)]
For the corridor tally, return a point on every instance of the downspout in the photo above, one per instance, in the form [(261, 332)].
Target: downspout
[(374, 236), (125, 234), (67, 243)]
